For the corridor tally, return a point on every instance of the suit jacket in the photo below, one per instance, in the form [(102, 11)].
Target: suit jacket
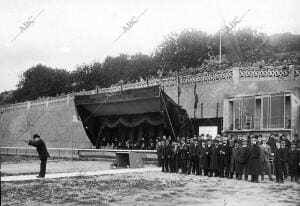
[(254, 160), (183, 152), (193, 150), (285, 154), (243, 155), (234, 159), (203, 158), (294, 158), (265, 152), (40, 148), (225, 154), (215, 158)]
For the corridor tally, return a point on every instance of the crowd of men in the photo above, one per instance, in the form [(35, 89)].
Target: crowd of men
[(229, 157)]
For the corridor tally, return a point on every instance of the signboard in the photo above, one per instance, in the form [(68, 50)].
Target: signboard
[(211, 130)]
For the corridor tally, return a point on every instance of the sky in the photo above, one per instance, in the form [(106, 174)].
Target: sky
[(65, 33)]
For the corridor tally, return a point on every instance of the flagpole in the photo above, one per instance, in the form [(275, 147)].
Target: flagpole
[(220, 48), (220, 42)]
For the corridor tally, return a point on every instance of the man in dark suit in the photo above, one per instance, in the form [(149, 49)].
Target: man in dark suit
[(203, 162), (183, 155), (42, 151), (294, 162), (193, 156), (215, 159), (254, 160), (285, 158), (163, 156), (225, 154), (242, 157)]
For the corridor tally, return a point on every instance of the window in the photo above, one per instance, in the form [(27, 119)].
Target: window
[(276, 111), (244, 113), (260, 112)]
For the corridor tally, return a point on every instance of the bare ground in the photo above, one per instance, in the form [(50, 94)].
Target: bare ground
[(149, 188), (21, 165)]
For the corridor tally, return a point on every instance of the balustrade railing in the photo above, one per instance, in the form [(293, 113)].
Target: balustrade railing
[(264, 73), (267, 72)]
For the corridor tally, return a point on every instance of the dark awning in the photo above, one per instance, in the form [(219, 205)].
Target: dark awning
[(129, 108)]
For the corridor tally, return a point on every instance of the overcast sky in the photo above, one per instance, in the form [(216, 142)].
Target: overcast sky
[(69, 33)]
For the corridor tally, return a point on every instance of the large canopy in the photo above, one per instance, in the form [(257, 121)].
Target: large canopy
[(130, 109)]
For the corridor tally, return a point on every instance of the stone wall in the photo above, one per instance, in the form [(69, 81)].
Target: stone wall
[(53, 120)]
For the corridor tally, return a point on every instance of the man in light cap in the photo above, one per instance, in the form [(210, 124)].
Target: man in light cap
[(265, 152), (42, 151)]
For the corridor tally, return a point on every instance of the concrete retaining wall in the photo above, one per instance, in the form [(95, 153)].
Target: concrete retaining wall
[(53, 118)]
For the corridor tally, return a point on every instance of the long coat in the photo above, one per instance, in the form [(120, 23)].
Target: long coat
[(294, 158), (40, 148), (277, 160), (234, 160), (243, 155), (214, 158), (254, 160), (203, 158), (183, 152), (226, 154)]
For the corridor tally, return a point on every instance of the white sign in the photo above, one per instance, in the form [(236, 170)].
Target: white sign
[(211, 130)]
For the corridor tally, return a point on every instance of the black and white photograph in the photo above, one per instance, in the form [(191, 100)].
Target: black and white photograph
[(150, 102)]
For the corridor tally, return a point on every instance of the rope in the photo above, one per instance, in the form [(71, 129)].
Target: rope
[(113, 94), (167, 114)]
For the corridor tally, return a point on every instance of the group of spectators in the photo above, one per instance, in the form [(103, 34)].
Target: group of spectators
[(116, 143), (232, 156)]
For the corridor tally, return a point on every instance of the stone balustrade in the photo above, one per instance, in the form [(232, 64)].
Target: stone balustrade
[(244, 73)]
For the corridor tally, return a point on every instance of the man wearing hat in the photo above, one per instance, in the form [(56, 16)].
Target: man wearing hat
[(242, 156), (294, 162), (225, 154), (265, 152), (215, 159), (254, 160), (194, 164), (42, 151)]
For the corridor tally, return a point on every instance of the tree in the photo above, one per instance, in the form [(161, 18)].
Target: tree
[(41, 81), (187, 49)]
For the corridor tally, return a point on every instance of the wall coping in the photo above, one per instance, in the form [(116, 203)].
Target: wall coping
[(87, 150)]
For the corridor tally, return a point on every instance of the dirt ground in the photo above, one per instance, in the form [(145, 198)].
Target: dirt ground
[(149, 188), (18, 165)]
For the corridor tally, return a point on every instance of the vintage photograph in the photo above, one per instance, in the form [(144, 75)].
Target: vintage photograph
[(150, 102)]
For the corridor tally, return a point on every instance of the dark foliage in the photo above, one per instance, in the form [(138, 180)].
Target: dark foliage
[(179, 52)]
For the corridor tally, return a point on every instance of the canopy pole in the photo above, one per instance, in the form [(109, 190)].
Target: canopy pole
[(168, 115)]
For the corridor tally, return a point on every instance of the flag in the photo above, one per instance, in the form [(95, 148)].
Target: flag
[(178, 89), (196, 96)]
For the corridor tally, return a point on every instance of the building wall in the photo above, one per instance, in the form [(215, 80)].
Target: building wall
[(53, 117), (211, 93)]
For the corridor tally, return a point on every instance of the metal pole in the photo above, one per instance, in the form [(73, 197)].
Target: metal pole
[(220, 48), (72, 139)]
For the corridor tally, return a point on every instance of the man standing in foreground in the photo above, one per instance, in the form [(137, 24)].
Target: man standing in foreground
[(42, 151)]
